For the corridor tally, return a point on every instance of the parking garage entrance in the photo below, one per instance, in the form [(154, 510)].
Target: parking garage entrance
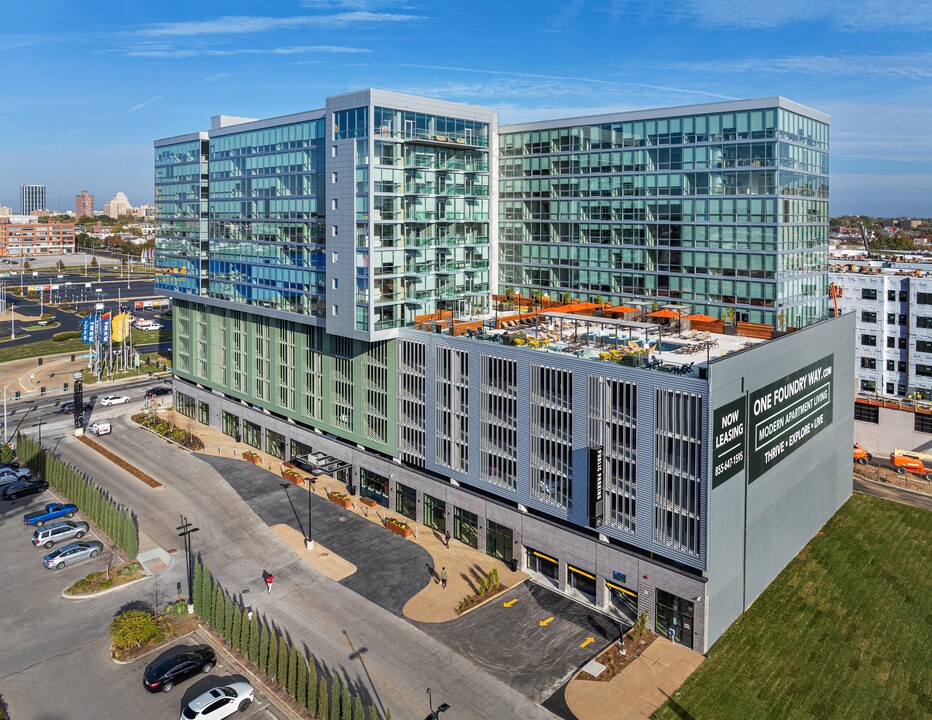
[(582, 582), (544, 565), (623, 601)]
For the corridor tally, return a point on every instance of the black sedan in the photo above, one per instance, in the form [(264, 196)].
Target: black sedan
[(21, 488), (158, 390), (180, 664), (68, 407)]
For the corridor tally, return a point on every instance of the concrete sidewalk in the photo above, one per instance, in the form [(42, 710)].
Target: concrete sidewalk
[(639, 689)]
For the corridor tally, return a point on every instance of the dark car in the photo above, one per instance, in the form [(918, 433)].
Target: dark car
[(182, 663), (158, 390), (68, 407), (21, 488)]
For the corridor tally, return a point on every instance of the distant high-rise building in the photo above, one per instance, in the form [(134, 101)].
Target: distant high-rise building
[(31, 199), (84, 204), (119, 205), (5, 211)]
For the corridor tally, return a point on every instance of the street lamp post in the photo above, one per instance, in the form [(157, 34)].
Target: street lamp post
[(12, 323), (186, 531), (39, 425), (5, 436), (441, 708), (308, 541)]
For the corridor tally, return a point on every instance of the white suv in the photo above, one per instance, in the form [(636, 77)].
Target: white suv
[(100, 428)]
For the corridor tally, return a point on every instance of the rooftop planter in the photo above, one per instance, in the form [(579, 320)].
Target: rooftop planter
[(252, 457), (292, 476), (341, 499)]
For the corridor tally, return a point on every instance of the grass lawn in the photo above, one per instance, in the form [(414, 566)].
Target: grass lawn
[(41, 349), (843, 632)]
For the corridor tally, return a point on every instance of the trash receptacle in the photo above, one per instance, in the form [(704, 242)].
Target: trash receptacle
[(514, 564)]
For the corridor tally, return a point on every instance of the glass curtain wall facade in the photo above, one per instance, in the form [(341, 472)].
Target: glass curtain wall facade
[(429, 210), (181, 178), (720, 209)]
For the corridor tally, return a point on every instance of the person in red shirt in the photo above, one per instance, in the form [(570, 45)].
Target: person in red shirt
[(269, 579)]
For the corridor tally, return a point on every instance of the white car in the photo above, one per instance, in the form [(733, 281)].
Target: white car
[(114, 400), (150, 326), (220, 702), (101, 428)]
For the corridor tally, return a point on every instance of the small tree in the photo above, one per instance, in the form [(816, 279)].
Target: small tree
[(27, 266), (236, 629), (293, 671), (244, 631), (300, 692), (272, 667), (207, 596), (282, 661), (218, 619), (264, 648), (228, 619), (373, 713), (322, 700), (6, 453), (346, 704), (640, 627), (311, 686), (730, 314), (358, 712), (133, 628), (336, 693), (94, 261), (254, 639)]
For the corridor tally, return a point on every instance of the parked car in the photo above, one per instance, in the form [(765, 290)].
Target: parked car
[(150, 326), (157, 391), (184, 662), (10, 465), (101, 427), (52, 511), (21, 488), (220, 702), (72, 553), (58, 531), (16, 474), (68, 407), (114, 400)]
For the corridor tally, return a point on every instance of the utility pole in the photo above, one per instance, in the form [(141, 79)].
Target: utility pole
[(186, 531)]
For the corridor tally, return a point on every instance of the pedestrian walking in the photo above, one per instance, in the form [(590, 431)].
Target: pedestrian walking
[(443, 578), (269, 579), (446, 539)]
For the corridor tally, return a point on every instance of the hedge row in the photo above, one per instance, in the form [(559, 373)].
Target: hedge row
[(116, 520), (275, 655)]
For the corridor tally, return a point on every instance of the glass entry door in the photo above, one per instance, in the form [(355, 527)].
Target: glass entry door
[(674, 618)]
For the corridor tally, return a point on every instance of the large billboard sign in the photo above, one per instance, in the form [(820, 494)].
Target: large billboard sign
[(787, 414), (728, 454), (596, 491)]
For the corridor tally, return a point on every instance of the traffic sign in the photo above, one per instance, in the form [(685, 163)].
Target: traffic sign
[(88, 355)]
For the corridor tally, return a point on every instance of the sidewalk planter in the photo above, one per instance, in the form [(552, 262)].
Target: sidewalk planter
[(344, 501), (398, 527), (292, 476), (368, 502), (252, 457)]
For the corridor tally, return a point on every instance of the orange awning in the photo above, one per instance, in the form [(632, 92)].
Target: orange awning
[(700, 317), (668, 314), (619, 309)]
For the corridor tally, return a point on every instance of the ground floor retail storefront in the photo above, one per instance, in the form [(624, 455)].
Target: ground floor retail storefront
[(594, 573)]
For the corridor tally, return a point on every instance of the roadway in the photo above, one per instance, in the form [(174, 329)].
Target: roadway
[(390, 662), (892, 492)]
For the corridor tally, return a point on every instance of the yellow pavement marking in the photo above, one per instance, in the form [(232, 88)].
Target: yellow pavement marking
[(587, 641), (545, 623), (509, 603)]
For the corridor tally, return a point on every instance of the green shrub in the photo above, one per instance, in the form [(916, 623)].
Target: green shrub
[(6, 453), (177, 609), (133, 628), (129, 569), (62, 336)]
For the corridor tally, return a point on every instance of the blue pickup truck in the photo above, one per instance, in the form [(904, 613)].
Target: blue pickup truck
[(51, 512)]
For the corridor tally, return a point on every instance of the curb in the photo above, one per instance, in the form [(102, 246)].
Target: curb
[(221, 649), (153, 650), (91, 596), (488, 600), (895, 487)]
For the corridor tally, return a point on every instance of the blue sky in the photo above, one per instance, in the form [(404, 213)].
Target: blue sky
[(89, 85)]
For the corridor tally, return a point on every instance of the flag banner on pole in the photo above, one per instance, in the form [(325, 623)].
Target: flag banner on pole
[(89, 330), (119, 326), (105, 327)]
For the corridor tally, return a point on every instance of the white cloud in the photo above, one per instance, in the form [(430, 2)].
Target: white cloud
[(238, 24), (909, 66), (218, 76), (149, 101), (156, 50)]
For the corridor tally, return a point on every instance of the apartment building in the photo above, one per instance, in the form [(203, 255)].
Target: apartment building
[(332, 275), (84, 205), (23, 236), (32, 199)]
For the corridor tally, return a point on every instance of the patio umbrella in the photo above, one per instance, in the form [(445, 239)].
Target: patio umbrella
[(699, 317), (668, 314), (619, 309)]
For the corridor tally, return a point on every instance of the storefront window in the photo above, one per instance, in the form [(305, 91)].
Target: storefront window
[(435, 513), (406, 500), (252, 434), (230, 425), (373, 486), (466, 527), (203, 413), (275, 444), (676, 614), (299, 449), (184, 404), (498, 541)]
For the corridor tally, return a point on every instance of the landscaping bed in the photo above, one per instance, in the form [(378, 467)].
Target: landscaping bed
[(116, 459), (890, 477), (96, 582), (169, 430), (171, 624), (489, 586), (617, 656)]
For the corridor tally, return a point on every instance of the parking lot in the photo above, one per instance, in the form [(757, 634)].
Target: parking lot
[(55, 653)]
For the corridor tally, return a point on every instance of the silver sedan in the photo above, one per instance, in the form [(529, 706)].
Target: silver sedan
[(72, 553), (114, 400)]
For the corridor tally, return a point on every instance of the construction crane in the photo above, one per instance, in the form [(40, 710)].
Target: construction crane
[(834, 292)]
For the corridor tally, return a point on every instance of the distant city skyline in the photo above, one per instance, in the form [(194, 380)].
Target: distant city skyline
[(177, 64)]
